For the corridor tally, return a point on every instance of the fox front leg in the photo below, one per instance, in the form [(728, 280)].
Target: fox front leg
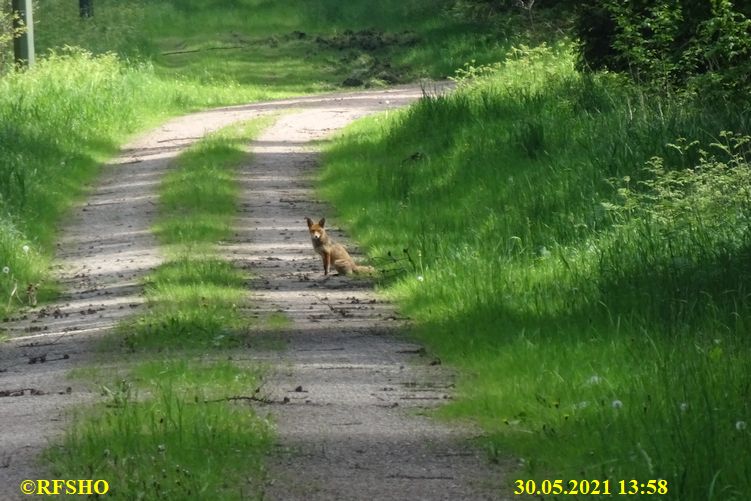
[(326, 263)]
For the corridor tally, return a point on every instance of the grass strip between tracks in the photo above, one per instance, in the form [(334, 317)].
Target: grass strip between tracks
[(171, 425)]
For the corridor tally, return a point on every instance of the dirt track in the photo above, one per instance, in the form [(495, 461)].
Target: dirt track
[(351, 428)]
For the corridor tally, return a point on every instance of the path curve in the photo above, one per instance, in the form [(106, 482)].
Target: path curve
[(352, 432)]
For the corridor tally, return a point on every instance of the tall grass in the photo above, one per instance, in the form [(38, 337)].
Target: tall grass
[(597, 306), (40, 166), (58, 121)]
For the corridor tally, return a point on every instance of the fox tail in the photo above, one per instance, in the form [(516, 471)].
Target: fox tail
[(364, 270)]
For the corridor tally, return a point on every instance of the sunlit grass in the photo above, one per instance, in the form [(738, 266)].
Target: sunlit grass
[(198, 197), (170, 429), (195, 302), (594, 340), (197, 299), (57, 123)]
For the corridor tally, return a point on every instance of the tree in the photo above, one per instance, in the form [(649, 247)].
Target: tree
[(23, 32), (86, 8)]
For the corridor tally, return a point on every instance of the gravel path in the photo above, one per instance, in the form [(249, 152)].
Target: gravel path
[(350, 389)]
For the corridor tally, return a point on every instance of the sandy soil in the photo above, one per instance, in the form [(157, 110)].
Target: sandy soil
[(349, 389)]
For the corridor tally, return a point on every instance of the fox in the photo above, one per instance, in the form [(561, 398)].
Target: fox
[(332, 252)]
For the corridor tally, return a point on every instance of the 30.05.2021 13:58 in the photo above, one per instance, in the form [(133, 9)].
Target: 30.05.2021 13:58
[(590, 487)]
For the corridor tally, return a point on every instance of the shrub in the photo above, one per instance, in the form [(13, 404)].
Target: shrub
[(703, 45)]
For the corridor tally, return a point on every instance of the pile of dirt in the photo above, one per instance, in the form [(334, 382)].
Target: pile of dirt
[(364, 54), (369, 40), (370, 71)]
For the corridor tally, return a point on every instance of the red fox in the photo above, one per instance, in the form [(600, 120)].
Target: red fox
[(332, 252)]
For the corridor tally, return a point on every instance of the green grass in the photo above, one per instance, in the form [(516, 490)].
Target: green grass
[(170, 430), (131, 66), (58, 122), (194, 302), (605, 341), (595, 305), (198, 199)]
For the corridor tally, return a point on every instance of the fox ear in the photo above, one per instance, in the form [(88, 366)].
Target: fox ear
[(310, 222), (322, 222)]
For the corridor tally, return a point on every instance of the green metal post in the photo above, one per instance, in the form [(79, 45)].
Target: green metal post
[(23, 46)]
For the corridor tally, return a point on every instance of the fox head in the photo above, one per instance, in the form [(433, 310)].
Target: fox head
[(316, 229)]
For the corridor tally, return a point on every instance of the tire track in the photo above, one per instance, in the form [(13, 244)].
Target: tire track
[(349, 387)]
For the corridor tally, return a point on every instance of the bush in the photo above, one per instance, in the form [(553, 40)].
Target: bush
[(703, 46)]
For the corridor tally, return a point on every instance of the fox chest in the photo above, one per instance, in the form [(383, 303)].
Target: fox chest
[(321, 248)]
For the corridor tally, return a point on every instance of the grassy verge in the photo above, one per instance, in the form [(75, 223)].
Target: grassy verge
[(171, 426), (583, 266), (58, 122)]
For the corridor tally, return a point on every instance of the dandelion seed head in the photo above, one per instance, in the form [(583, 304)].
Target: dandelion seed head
[(420, 278), (617, 404), (683, 406), (25, 249), (6, 270), (740, 425)]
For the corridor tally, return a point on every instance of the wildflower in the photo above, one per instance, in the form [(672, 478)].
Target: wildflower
[(594, 380), (6, 270), (740, 425), (582, 405), (617, 404), (420, 278), (25, 249), (683, 406)]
